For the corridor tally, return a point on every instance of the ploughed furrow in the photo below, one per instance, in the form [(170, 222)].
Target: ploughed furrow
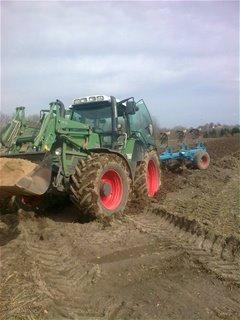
[(213, 252)]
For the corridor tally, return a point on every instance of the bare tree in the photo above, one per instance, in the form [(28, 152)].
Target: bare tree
[(4, 119), (33, 120)]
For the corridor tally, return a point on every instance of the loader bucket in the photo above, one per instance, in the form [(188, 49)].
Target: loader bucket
[(35, 183)]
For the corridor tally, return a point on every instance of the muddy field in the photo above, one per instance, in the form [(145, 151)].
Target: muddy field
[(176, 258)]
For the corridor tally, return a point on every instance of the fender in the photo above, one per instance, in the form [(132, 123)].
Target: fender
[(138, 151), (109, 151)]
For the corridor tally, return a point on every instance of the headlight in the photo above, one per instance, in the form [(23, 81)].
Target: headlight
[(58, 151), (90, 99), (79, 101)]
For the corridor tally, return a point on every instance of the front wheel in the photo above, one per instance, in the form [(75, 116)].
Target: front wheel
[(100, 186), (147, 177)]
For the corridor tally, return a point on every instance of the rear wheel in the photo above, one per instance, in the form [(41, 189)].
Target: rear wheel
[(101, 185), (202, 160), (147, 177)]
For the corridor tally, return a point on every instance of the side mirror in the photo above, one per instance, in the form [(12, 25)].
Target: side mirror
[(131, 107)]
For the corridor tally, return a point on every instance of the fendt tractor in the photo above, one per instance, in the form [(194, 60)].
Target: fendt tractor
[(98, 152)]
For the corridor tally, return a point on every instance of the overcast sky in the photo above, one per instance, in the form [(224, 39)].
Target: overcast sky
[(180, 57)]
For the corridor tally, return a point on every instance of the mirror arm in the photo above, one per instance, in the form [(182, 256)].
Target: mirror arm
[(124, 100)]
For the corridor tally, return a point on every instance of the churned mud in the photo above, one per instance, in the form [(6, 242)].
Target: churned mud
[(176, 258)]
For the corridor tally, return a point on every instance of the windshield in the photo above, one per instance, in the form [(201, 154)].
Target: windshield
[(98, 117)]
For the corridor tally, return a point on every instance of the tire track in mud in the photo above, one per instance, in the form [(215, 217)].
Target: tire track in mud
[(58, 274), (18, 294), (61, 272), (218, 254), (219, 203)]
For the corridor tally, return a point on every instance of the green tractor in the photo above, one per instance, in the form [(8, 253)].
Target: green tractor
[(98, 152)]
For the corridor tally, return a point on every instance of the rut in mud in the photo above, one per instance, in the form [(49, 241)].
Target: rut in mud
[(159, 264)]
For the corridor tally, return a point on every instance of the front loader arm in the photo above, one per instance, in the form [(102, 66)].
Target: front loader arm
[(54, 124), (11, 132), (47, 133), (48, 130)]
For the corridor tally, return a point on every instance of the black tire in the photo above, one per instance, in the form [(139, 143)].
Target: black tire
[(88, 190), (202, 160), (141, 186)]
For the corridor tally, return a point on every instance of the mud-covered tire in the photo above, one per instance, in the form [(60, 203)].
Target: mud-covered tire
[(101, 185), (201, 160), (147, 177)]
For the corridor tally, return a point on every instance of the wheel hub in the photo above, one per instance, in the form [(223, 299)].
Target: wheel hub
[(204, 160), (111, 190), (105, 189)]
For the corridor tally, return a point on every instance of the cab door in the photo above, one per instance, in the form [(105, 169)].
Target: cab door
[(141, 124)]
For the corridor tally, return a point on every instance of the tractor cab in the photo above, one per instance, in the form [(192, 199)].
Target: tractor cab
[(113, 120)]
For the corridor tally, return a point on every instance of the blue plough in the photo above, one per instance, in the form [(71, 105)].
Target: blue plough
[(184, 153)]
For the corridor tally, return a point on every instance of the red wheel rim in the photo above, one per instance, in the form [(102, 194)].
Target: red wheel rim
[(205, 161), (152, 178), (113, 198)]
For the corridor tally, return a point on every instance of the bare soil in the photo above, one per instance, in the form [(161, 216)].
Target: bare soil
[(177, 258), (11, 171)]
